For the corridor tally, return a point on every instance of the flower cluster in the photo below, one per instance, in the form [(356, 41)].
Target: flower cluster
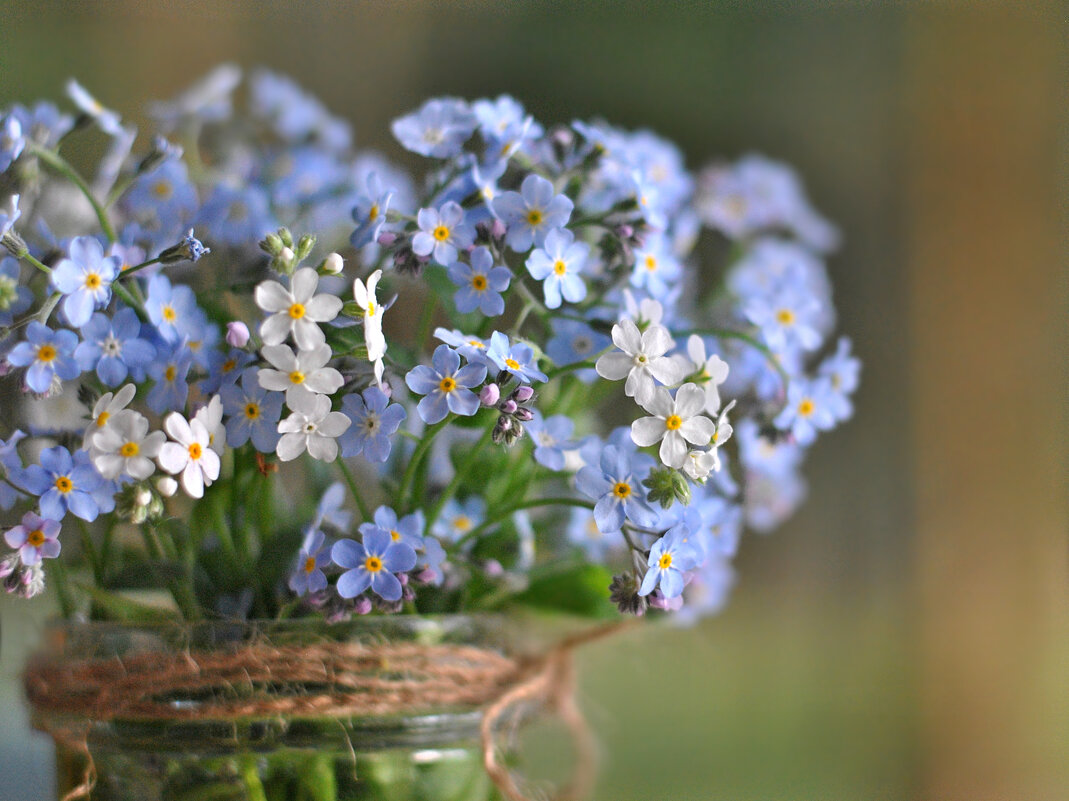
[(515, 370)]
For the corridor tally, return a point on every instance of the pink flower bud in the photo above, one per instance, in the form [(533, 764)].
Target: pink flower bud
[(497, 229), (523, 394), (509, 407), (493, 568), (237, 334), (490, 395), (425, 576), (362, 605), (524, 415), (387, 238)]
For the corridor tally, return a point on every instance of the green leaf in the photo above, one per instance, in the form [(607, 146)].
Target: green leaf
[(579, 589), (127, 610)]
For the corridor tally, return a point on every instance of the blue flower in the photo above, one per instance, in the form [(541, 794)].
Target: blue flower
[(112, 346), (583, 531), (458, 518), (308, 575), (36, 538), (656, 270), (370, 210), (429, 561), (575, 341), (447, 386), (470, 347), (809, 409), (438, 129), (165, 194), (253, 413), (48, 354), (44, 123), (551, 438), (12, 140), (374, 421), (372, 564), (788, 320), (9, 214), (224, 369), (842, 371), (558, 265), (518, 360), (14, 298), (85, 278), (616, 485), (173, 310), (504, 125), (532, 212), (331, 509), (670, 556), (408, 529), (237, 216), (63, 484), (442, 232), (10, 463), (169, 371), (481, 283)]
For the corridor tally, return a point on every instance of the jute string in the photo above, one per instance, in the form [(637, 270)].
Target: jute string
[(337, 680)]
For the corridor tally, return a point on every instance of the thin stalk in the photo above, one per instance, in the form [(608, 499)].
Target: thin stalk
[(91, 553), (41, 266), (350, 479), (417, 456), (131, 270), (63, 167), (66, 603), (461, 473)]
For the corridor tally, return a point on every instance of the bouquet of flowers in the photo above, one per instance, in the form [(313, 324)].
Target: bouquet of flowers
[(275, 375)]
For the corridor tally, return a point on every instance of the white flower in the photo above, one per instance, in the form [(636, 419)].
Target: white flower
[(189, 454), (109, 405), (642, 360), (712, 371), (297, 309), (211, 417), (364, 295), (674, 424), (699, 464), (647, 311), (303, 373), (312, 427), (124, 446)]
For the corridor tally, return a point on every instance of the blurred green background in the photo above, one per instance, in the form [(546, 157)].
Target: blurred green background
[(904, 636)]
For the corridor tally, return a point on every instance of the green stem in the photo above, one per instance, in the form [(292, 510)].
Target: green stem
[(91, 553), (131, 270), (44, 268), (417, 456), (130, 300), (63, 167), (350, 479), (427, 320), (519, 507), (727, 333), (66, 603), (461, 473)]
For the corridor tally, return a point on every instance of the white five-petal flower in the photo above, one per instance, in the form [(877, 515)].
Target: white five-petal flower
[(641, 359), (301, 373), (109, 405), (674, 423), (189, 454), (312, 427), (699, 464), (125, 447), (364, 295), (712, 372), (211, 416), (297, 309)]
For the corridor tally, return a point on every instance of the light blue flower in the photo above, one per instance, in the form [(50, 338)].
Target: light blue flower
[(408, 529), (438, 129), (48, 354), (12, 140), (504, 125), (35, 538), (470, 347), (252, 413), (370, 211), (9, 463), (788, 320), (575, 341), (85, 279), (113, 347), (237, 216), (557, 265), (532, 212), (842, 371), (63, 484), (551, 437), (9, 214), (165, 194), (14, 298), (458, 518), (656, 270), (224, 368), (442, 232), (374, 421), (43, 122), (169, 371), (446, 385), (669, 558), (173, 310), (372, 564), (308, 575), (809, 409), (583, 531), (616, 486), (481, 283), (429, 561), (518, 360)]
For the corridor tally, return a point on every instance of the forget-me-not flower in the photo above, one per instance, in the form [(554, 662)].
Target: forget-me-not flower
[(84, 279), (557, 265), (370, 210), (669, 558), (532, 212), (12, 140), (575, 341), (459, 517), (169, 371), (173, 310), (517, 359), (113, 346), (48, 354), (439, 128), (64, 483), (252, 413), (442, 232), (308, 576), (616, 486), (481, 283), (14, 298), (446, 386), (551, 437), (809, 409), (35, 538), (374, 421), (372, 564), (297, 310)]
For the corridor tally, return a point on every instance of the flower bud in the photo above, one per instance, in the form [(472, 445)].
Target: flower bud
[(271, 244), (286, 256), (142, 496), (166, 486), (362, 605), (490, 395), (332, 264), (493, 569), (508, 406), (523, 393), (524, 415), (498, 229), (305, 245), (237, 334), (387, 238)]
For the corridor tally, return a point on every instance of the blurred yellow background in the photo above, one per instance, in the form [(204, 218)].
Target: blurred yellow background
[(905, 635)]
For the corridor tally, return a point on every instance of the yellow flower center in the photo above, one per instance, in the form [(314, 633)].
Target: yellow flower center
[(462, 523), (162, 190), (297, 311), (373, 564), (447, 384), (309, 564), (665, 561), (651, 263), (170, 373), (46, 353), (92, 281), (395, 535), (534, 217), (371, 308), (36, 538), (169, 313), (441, 233), (129, 449), (477, 344), (806, 407), (478, 282), (195, 451), (621, 489), (297, 377), (102, 419), (673, 422), (64, 484), (559, 267), (252, 411), (373, 212), (785, 317), (229, 365), (512, 364)]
